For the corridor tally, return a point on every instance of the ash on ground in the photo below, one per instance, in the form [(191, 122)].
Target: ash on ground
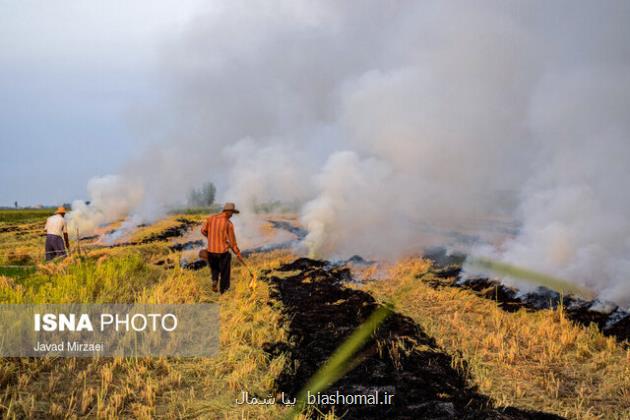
[(400, 358), (607, 316)]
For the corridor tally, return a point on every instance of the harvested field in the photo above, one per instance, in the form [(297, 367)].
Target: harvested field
[(276, 336), (537, 360), (608, 317), (401, 359), (183, 225)]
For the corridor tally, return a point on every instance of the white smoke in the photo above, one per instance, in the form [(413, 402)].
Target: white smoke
[(111, 198), (392, 121), (337, 222), (575, 207), (252, 183)]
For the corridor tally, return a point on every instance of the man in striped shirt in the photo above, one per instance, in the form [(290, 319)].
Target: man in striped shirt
[(220, 233)]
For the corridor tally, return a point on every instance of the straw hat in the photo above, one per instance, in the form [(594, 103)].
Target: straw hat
[(60, 210), (230, 207)]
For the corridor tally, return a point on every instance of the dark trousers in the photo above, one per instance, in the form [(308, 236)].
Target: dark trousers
[(55, 247), (220, 265)]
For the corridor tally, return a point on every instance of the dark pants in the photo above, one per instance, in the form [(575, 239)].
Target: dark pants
[(220, 265), (55, 247)]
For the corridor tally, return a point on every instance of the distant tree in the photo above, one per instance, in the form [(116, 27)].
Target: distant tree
[(202, 197), (16, 204)]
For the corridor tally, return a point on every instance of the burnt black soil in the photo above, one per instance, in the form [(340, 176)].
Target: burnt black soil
[(21, 230), (400, 359), (183, 226), (282, 225), (612, 321), (6, 229), (188, 245)]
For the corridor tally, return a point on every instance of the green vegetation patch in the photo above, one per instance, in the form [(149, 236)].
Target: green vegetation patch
[(109, 280), (24, 215), (215, 208), (17, 272)]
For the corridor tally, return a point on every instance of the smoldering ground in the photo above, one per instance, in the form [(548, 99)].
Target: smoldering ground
[(320, 313), (380, 119)]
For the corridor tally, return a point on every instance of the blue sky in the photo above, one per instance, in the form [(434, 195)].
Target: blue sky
[(75, 76)]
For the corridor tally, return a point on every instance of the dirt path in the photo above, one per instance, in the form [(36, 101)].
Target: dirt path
[(400, 359)]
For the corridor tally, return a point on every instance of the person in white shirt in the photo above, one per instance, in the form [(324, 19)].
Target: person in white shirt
[(57, 243)]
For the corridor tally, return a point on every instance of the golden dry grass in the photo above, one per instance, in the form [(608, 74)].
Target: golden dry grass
[(25, 246), (144, 387), (534, 360), (212, 385), (157, 227), (153, 387)]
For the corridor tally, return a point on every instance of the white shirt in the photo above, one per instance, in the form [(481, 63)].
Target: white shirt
[(56, 225)]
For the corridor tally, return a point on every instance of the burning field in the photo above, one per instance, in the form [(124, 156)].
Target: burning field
[(429, 198), (445, 350)]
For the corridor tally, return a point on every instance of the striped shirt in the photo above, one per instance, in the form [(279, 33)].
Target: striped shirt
[(220, 233)]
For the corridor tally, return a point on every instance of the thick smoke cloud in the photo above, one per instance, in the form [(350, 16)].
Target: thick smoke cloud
[(112, 197), (389, 122)]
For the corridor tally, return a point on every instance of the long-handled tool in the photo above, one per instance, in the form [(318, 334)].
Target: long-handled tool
[(252, 283)]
